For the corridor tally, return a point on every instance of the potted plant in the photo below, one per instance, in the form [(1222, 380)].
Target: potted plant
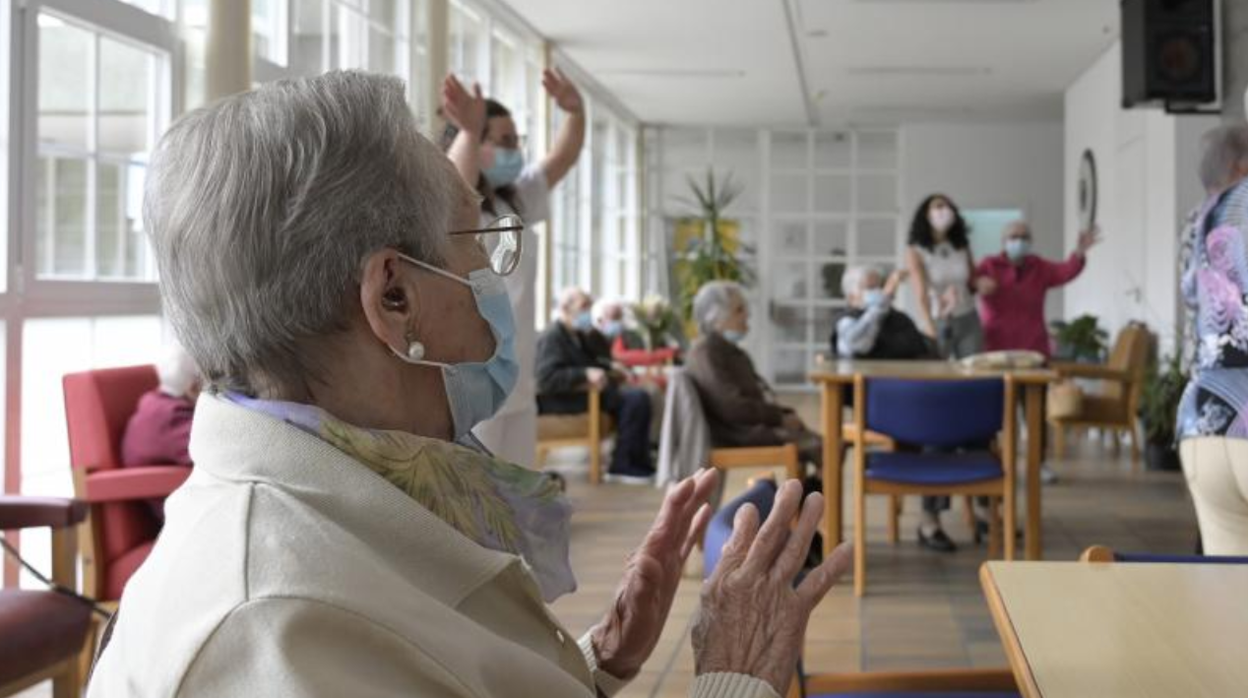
[(655, 318), (711, 254), (1161, 392), (1082, 339)]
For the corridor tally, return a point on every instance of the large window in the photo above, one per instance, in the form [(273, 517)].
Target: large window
[(102, 102), (81, 293), (366, 34), (811, 204)]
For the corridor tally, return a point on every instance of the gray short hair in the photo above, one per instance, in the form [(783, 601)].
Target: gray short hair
[(263, 207), (710, 305), (853, 277), (1221, 151)]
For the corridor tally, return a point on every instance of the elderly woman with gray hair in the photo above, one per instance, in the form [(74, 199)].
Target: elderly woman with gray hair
[(341, 534), (741, 409)]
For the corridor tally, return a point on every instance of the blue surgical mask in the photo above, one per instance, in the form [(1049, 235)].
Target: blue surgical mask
[(873, 297), (1017, 248), (734, 336), (612, 328), (508, 164), (584, 321), (476, 390)]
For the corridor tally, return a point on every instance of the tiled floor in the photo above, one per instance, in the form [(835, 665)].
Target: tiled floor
[(922, 609)]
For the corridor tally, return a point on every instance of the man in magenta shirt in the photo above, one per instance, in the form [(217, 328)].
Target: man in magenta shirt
[(1012, 286)]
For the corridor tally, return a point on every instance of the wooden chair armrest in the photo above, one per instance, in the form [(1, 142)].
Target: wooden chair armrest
[(1092, 371), (17, 512), (935, 680)]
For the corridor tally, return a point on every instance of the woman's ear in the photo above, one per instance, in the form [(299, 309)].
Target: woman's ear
[(388, 298)]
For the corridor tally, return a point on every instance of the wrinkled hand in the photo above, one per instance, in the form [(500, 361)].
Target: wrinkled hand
[(1088, 239), (596, 377), (985, 285), (463, 109), (627, 635), (561, 89), (752, 620)]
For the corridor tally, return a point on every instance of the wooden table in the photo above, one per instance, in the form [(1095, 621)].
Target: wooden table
[(1122, 629), (832, 377)]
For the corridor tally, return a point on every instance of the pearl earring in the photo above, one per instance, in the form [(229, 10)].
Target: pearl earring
[(415, 351)]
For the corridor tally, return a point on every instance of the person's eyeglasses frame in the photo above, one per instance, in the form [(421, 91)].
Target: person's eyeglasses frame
[(494, 227)]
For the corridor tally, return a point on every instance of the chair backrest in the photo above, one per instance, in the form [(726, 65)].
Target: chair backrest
[(98, 404), (940, 413), (1130, 354), (684, 439), (719, 530)]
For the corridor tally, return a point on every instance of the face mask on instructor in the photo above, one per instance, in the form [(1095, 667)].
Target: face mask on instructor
[(506, 168)]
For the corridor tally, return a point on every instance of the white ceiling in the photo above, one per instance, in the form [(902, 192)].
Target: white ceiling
[(732, 62)]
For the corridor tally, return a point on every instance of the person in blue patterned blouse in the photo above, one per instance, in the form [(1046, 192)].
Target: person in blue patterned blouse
[(1213, 415)]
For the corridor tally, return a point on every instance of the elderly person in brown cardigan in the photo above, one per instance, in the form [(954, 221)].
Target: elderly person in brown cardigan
[(741, 409)]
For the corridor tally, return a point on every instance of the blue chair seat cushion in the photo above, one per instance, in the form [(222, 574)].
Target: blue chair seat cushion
[(919, 694), (933, 468)]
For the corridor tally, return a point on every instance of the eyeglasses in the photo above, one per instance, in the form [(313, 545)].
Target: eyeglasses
[(501, 242)]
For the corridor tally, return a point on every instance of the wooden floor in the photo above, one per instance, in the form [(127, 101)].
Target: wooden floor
[(922, 609)]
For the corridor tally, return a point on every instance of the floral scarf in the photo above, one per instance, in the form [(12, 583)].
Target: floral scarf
[(499, 505)]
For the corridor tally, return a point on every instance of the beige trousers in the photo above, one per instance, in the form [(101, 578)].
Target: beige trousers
[(1217, 475)]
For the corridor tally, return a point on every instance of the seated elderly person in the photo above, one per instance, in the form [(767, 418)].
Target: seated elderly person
[(341, 535), (872, 328), (741, 409), (571, 357), (159, 431)]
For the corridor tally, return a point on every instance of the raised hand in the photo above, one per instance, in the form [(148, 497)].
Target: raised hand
[(464, 109), (1088, 239), (561, 89), (627, 635), (752, 619)]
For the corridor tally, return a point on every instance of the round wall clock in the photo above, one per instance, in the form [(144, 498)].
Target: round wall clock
[(1087, 191)]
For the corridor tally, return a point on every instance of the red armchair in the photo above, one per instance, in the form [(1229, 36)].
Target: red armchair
[(43, 632), (121, 529)]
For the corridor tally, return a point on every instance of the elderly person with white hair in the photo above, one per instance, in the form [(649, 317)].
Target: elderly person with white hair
[(341, 535), (741, 409), (872, 328), (572, 356), (159, 431), (1213, 415)]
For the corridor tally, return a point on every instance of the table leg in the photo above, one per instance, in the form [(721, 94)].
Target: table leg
[(1035, 454), (830, 398)]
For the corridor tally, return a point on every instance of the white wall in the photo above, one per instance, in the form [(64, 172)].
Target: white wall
[(1147, 183), (991, 165)]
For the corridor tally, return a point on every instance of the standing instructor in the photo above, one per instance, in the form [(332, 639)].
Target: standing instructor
[(482, 141)]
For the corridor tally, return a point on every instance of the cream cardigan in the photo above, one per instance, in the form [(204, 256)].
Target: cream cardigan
[(286, 568)]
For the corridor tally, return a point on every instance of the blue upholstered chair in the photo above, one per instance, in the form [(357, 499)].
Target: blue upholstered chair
[(1101, 553), (947, 683), (954, 440)]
